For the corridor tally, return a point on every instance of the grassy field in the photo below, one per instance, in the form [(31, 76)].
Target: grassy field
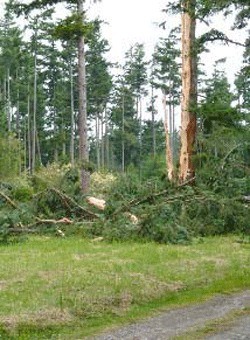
[(53, 288)]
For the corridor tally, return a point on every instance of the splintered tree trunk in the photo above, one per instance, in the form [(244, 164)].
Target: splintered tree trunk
[(82, 123), (189, 92)]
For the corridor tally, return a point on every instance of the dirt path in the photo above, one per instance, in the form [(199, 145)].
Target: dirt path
[(239, 330), (176, 322)]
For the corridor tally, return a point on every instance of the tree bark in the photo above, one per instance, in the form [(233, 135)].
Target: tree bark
[(82, 118), (189, 91), (72, 118), (8, 100), (153, 121), (123, 132), (33, 157), (169, 158)]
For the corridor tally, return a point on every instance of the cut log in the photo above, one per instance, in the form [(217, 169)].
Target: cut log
[(133, 219), (96, 202)]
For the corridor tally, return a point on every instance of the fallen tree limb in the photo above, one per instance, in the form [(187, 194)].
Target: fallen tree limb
[(16, 230), (136, 202), (39, 221), (69, 202), (63, 220), (8, 200)]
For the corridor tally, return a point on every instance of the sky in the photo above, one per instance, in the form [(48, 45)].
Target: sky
[(132, 21)]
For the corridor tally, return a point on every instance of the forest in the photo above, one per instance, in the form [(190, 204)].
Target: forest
[(78, 155)]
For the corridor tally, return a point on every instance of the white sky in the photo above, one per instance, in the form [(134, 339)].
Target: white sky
[(131, 21)]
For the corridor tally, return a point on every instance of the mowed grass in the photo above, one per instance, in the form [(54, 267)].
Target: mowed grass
[(69, 288)]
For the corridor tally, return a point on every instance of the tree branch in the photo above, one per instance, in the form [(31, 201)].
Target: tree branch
[(8, 200)]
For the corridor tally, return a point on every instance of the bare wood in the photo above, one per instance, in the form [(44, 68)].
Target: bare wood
[(82, 99), (63, 220), (96, 202), (189, 91), (8, 200), (169, 153), (68, 202)]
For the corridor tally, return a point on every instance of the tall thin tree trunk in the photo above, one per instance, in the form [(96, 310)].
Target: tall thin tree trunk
[(140, 135), (107, 143), (169, 159), (38, 148), (34, 116), (29, 131), (72, 124), (8, 100), (173, 134), (189, 92), (82, 124), (102, 141), (97, 146), (123, 132), (153, 121), (18, 109)]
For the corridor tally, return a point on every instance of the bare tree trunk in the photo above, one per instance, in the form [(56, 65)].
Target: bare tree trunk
[(8, 100), (18, 109), (140, 135), (102, 141), (39, 155), (189, 92), (169, 159), (107, 144), (72, 124), (123, 131), (173, 135), (33, 164), (28, 130), (97, 146), (82, 124), (153, 121)]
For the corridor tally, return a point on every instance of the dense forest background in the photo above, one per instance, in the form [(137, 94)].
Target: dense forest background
[(134, 161)]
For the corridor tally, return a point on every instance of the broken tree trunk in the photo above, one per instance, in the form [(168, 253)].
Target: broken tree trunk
[(189, 92), (169, 151)]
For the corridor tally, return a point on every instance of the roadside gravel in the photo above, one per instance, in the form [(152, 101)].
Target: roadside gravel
[(178, 321)]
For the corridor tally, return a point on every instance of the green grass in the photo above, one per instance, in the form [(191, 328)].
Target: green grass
[(69, 288)]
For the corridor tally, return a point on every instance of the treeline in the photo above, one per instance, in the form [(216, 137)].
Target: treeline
[(41, 124)]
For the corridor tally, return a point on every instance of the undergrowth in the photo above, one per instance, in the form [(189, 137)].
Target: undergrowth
[(137, 208)]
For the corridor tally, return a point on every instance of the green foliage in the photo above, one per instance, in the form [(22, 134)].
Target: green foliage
[(10, 157), (72, 28)]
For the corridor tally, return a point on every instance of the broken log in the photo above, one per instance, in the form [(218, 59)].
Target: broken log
[(97, 202)]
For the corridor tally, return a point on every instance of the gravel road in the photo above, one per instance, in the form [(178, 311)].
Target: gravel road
[(239, 330), (175, 322)]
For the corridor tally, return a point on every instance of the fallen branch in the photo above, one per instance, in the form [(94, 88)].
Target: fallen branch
[(39, 221), (8, 200), (69, 202), (96, 202), (63, 220), (150, 198), (16, 230), (224, 160)]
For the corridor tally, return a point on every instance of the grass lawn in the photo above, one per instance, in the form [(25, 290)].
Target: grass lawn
[(53, 288)]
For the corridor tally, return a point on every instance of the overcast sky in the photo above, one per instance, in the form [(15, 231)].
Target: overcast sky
[(131, 21)]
